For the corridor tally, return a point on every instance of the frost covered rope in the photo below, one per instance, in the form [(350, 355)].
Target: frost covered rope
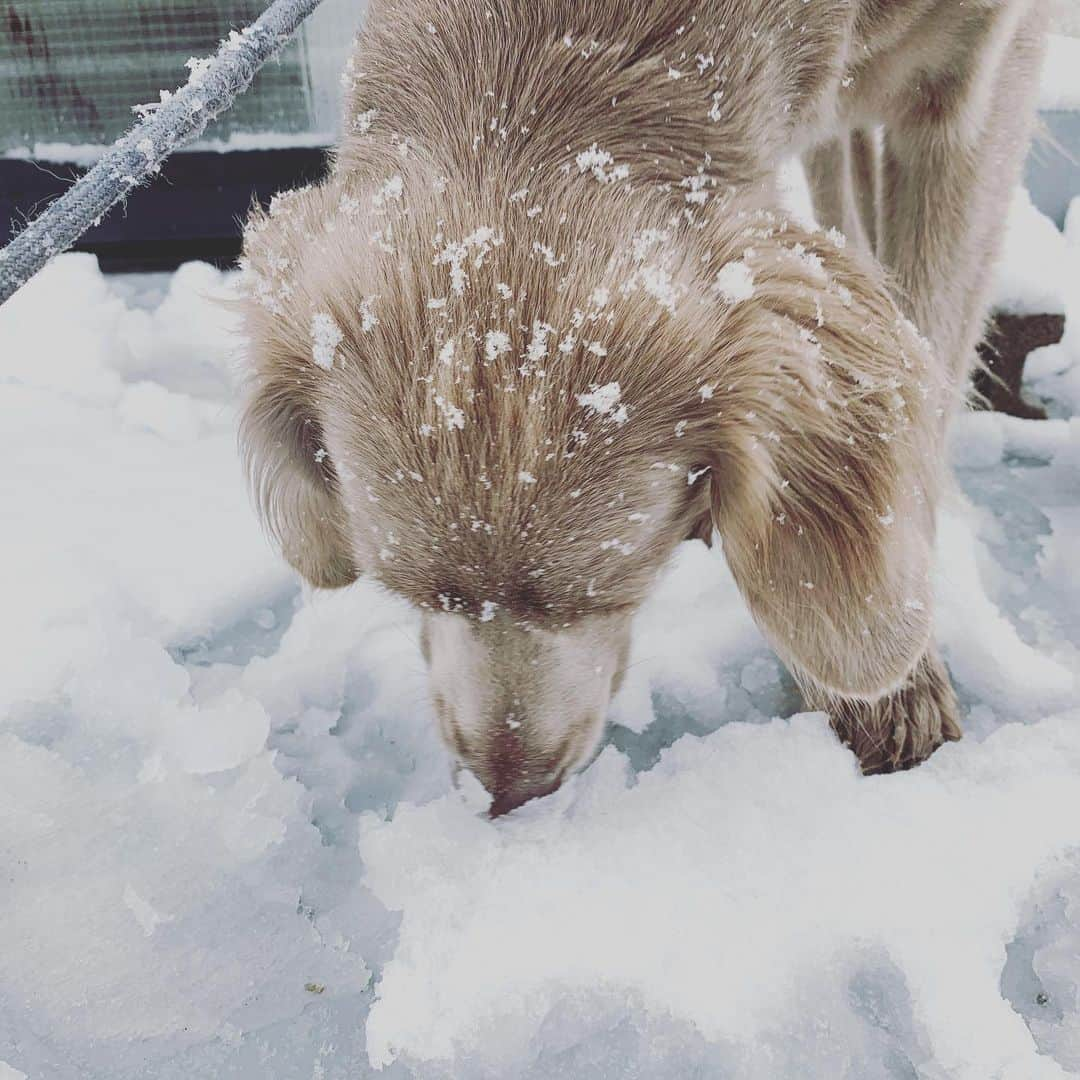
[(213, 86)]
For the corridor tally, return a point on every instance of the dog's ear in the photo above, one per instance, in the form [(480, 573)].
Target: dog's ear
[(826, 442), (294, 485), (293, 480)]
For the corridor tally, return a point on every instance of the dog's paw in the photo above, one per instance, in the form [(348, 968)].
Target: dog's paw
[(905, 728)]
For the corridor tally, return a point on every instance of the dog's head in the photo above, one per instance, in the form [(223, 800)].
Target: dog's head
[(510, 413)]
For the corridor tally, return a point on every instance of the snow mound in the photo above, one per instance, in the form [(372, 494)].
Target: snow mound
[(119, 456), (741, 887), (159, 868)]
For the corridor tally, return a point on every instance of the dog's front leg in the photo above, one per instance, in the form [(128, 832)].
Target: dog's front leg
[(900, 728), (850, 615), (824, 488)]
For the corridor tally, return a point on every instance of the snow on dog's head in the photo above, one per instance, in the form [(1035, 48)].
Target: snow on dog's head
[(512, 417)]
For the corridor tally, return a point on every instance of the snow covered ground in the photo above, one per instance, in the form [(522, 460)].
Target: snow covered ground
[(229, 846)]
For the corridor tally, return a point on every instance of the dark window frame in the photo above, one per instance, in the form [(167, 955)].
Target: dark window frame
[(193, 209)]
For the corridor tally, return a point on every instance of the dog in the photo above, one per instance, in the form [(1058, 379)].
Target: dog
[(545, 319)]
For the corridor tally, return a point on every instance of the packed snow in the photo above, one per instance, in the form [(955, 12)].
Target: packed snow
[(1036, 270), (1059, 87), (230, 843)]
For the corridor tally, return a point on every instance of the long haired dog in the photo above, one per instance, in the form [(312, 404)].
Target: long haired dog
[(544, 320)]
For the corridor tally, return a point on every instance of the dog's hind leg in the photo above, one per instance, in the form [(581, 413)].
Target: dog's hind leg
[(952, 153), (865, 176), (838, 173)]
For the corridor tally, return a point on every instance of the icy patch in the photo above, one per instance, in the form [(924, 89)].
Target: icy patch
[(100, 858), (1040, 975), (985, 652)]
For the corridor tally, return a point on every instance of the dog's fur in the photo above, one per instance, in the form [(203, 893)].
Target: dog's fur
[(536, 200)]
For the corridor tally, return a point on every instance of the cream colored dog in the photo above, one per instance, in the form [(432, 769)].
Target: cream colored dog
[(544, 320)]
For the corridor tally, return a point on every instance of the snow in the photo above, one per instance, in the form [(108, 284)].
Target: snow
[(1060, 85), (601, 164), (326, 336), (451, 414), (1035, 271), (734, 282), (708, 936), (601, 400), (230, 842), (496, 342)]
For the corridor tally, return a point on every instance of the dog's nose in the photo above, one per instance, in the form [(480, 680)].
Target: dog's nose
[(515, 772), (510, 798)]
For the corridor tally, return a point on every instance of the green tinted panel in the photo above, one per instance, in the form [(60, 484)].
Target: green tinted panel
[(70, 70)]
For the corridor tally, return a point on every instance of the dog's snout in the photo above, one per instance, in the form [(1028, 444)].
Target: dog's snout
[(516, 758), (509, 790), (522, 708), (513, 766), (516, 770)]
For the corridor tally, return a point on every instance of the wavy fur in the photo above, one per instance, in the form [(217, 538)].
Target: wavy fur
[(569, 328)]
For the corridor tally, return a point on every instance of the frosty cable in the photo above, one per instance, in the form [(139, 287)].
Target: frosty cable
[(213, 86)]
